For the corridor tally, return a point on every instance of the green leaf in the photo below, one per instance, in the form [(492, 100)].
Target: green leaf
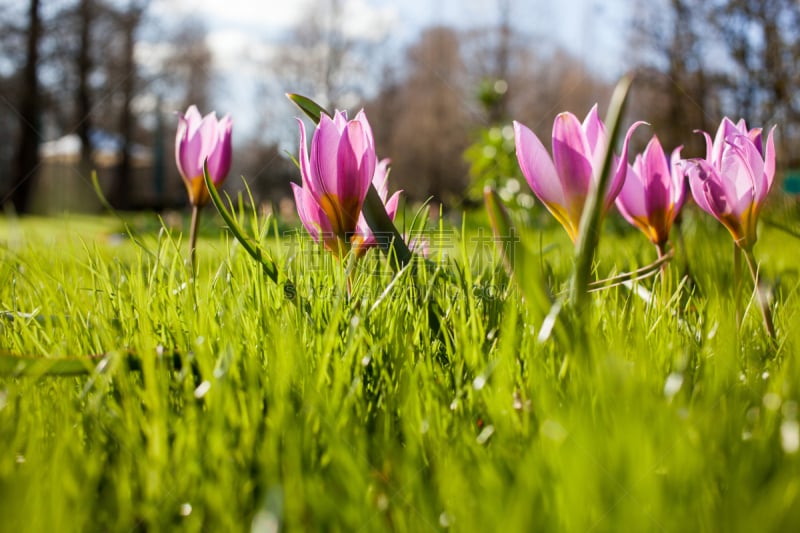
[(20, 365), (389, 239), (592, 219), (308, 106)]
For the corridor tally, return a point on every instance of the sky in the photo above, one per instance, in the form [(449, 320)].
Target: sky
[(240, 30)]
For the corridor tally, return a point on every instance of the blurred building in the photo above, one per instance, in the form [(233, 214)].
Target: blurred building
[(64, 183)]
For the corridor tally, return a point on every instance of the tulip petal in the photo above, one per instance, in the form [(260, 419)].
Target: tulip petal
[(340, 120), (381, 178), (392, 204), (622, 167), (769, 162), (311, 215), (207, 133), (180, 145), (324, 152), (714, 196), (699, 171), (719, 197), (355, 167), (725, 130), (572, 157), (361, 118), (191, 153), (305, 167), (709, 144), (631, 199), (658, 177), (194, 119), (679, 183), (752, 158), (741, 182), (595, 132), (219, 160), (537, 167)]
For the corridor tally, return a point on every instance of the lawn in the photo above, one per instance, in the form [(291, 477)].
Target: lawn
[(152, 400)]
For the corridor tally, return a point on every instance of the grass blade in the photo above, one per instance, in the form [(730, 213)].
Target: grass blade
[(255, 251), (517, 258)]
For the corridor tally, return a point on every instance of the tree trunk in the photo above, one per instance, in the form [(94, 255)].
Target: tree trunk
[(121, 194), (26, 161), (84, 106)]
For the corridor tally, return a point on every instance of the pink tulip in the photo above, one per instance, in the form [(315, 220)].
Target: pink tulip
[(562, 183), (316, 221), (653, 192), (733, 181), (336, 177), (200, 138)]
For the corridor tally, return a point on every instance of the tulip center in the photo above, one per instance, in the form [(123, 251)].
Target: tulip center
[(743, 227), (343, 216), (569, 218), (655, 225), (198, 194)]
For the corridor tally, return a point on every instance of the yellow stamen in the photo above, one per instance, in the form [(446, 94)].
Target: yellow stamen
[(198, 193)]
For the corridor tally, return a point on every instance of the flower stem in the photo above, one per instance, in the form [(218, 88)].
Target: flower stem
[(664, 278), (763, 302), (193, 236), (737, 285)]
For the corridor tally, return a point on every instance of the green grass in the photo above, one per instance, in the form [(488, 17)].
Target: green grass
[(216, 405)]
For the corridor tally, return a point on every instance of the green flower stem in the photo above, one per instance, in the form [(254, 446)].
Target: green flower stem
[(763, 302), (665, 280), (737, 285), (193, 237)]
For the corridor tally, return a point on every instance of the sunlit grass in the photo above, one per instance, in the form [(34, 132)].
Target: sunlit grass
[(424, 404)]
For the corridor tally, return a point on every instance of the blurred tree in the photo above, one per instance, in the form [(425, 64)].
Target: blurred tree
[(100, 67), (29, 112), (320, 59), (429, 136), (488, 54), (84, 64), (184, 76), (699, 61), (129, 20), (762, 38), (530, 85), (495, 52), (457, 88), (674, 90)]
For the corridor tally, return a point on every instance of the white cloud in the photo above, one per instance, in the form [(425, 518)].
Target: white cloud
[(365, 21), (268, 15)]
